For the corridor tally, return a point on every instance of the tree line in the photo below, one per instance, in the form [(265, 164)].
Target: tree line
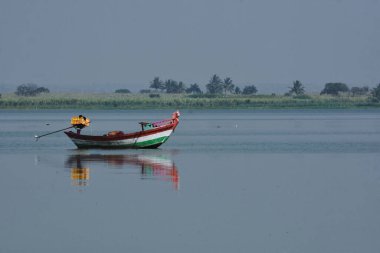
[(219, 86), (335, 89), (215, 86)]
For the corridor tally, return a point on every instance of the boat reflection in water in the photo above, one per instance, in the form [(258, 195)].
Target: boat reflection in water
[(151, 166), (80, 176)]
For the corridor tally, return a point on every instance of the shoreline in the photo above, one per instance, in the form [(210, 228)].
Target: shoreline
[(111, 101)]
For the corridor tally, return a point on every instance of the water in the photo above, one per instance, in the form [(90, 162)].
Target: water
[(226, 181)]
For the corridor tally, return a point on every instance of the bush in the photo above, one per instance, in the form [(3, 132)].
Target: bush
[(206, 95), (122, 91), (303, 96), (358, 91), (154, 95), (145, 91)]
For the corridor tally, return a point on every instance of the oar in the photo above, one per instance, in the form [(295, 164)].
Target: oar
[(37, 137)]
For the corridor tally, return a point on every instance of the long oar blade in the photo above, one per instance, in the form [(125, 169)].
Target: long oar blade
[(39, 136)]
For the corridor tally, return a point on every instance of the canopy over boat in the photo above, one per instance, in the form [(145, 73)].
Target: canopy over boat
[(152, 135)]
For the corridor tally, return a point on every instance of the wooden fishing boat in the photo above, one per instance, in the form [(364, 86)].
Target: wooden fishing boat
[(152, 135)]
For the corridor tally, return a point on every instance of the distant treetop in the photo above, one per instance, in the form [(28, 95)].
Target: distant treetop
[(249, 90), (334, 88), (297, 88), (215, 85), (30, 89), (228, 85), (122, 91), (157, 84), (194, 89)]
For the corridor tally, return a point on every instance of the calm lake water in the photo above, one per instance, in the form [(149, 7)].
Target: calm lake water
[(226, 181)]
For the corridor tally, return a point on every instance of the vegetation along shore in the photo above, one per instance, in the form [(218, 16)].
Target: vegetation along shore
[(219, 94)]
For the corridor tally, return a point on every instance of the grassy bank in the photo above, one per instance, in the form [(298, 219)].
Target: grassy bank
[(143, 101)]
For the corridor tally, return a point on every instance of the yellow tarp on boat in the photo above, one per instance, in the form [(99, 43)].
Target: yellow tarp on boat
[(80, 120)]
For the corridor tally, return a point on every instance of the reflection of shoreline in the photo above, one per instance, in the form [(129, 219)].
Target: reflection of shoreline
[(150, 166)]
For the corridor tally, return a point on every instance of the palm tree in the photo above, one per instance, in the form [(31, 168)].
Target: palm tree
[(171, 86), (215, 85), (181, 87), (194, 89), (297, 88), (228, 85)]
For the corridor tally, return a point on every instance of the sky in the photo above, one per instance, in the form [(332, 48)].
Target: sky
[(97, 45)]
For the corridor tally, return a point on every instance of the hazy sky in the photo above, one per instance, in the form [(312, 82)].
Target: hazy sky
[(102, 45)]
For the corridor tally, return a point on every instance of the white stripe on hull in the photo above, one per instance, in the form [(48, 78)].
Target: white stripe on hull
[(155, 160), (124, 142)]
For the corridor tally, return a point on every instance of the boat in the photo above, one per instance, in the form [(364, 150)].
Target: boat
[(152, 135)]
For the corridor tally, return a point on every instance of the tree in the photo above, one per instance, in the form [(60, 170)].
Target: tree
[(30, 89), (181, 87), (122, 91), (42, 90), (215, 85), (237, 90), (172, 86), (358, 91), (249, 89), (156, 84), (194, 89), (297, 88), (228, 85), (375, 92), (334, 88)]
